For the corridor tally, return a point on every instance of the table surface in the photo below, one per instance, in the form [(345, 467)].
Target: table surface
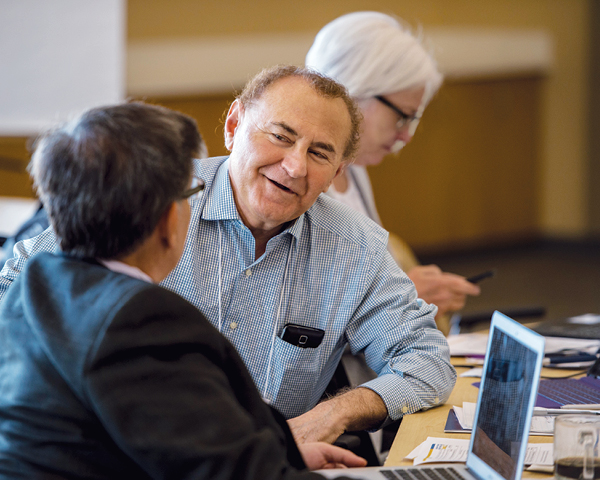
[(415, 428)]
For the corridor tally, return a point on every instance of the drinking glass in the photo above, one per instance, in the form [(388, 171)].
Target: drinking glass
[(576, 447)]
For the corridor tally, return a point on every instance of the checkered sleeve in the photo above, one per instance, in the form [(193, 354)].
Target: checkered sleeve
[(23, 251), (397, 333)]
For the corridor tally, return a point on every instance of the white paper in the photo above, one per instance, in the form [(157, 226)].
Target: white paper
[(474, 372), (444, 450), (540, 468), (561, 344), (415, 451), (585, 319), (539, 454), (465, 415), (469, 344), (469, 414), (540, 424)]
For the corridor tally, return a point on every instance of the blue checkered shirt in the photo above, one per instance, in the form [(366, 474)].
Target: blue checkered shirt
[(330, 270)]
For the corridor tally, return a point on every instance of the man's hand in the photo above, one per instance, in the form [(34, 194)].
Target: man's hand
[(353, 410), (446, 290), (318, 455)]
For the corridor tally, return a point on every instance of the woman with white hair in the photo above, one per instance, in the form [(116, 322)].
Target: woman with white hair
[(392, 77)]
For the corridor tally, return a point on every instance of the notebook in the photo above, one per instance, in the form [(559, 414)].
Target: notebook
[(507, 395)]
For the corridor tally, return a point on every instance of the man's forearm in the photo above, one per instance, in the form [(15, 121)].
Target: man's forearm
[(361, 408), (353, 410)]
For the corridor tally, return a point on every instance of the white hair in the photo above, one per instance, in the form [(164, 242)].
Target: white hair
[(371, 54)]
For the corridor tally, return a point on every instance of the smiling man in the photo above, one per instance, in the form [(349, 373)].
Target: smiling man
[(283, 158), (291, 276)]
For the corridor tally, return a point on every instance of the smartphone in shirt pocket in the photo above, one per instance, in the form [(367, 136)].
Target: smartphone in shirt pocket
[(301, 336)]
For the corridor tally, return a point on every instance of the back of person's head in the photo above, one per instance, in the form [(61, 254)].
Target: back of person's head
[(321, 84), (107, 177), (371, 54)]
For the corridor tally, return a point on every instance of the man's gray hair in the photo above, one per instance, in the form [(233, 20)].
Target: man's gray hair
[(107, 177), (321, 84), (372, 53)]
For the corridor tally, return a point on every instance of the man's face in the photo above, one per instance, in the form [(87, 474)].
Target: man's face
[(286, 149)]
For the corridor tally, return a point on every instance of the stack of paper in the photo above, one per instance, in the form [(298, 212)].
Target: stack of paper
[(474, 345), (540, 424)]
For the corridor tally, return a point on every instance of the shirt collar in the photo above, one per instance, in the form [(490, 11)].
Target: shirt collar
[(220, 204), (126, 269)]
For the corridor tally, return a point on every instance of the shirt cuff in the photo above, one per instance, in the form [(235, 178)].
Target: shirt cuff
[(399, 396)]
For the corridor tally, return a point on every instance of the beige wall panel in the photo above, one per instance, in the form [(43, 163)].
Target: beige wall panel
[(461, 183), (185, 18), (208, 111), (14, 157)]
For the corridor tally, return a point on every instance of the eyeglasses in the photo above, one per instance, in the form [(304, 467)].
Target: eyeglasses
[(195, 190), (404, 118)]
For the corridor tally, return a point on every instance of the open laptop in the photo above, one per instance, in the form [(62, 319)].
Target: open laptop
[(557, 392), (507, 395)]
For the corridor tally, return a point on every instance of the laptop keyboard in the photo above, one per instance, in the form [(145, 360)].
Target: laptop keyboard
[(568, 391), (439, 473)]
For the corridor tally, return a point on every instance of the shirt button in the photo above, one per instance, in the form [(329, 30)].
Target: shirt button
[(404, 409), (248, 272), (436, 399), (233, 325)]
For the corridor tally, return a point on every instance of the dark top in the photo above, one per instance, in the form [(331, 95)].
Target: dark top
[(106, 376)]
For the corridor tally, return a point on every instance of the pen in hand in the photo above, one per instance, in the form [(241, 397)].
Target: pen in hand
[(478, 278)]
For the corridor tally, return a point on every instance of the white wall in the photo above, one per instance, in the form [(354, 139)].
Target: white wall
[(58, 58)]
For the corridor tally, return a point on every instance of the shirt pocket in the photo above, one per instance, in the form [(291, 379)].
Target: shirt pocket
[(294, 374)]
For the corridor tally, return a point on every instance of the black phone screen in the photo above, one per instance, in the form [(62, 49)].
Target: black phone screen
[(301, 336)]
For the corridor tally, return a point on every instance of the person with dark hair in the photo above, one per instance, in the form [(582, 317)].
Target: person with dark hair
[(104, 374), (291, 276)]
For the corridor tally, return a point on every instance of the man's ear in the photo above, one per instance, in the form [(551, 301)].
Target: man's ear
[(341, 169), (234, 117), (167, 226)]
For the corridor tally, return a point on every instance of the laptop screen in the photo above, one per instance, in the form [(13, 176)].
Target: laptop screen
[(507, 397)]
